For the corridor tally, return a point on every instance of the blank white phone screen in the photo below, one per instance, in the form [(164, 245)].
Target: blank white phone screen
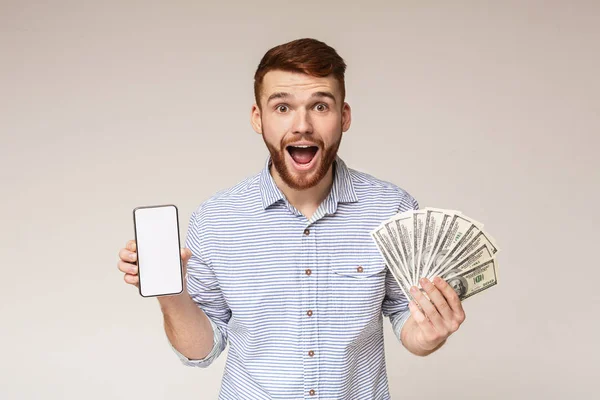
[(157, 241)]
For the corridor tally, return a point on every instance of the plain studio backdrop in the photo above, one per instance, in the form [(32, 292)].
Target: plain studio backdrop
[(490, 108)]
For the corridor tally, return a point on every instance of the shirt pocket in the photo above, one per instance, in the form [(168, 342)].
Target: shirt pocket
[(358, 289), (360, 270)]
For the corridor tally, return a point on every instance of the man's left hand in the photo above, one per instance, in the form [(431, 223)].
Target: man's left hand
[(437, 318)]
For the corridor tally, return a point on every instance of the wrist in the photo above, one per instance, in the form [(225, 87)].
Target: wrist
[(413, 340), (429, 347), (173, 302)]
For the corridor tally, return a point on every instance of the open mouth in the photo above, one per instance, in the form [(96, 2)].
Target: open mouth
[(302, 154)]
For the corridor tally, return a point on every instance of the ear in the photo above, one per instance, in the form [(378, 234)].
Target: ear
[(346, 117), (255, 120)]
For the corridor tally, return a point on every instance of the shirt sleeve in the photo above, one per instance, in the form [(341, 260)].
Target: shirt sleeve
[(203, 287), (212, 356), (395, 303)]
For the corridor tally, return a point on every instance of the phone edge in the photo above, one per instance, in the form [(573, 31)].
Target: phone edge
[(178, 252)]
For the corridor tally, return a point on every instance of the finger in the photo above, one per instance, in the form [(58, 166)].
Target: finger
[(438, 300), (128, 268), (429, 310), (132, 279), (451, 297), (127, 255), (186, 253), (421, 319), (131, 245), (186, 258)]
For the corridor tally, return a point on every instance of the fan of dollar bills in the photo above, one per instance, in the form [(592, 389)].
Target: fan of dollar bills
[(434, 242)]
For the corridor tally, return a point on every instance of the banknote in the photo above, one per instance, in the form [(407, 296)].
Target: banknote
[(481, 238), (460, 227), (468, 283), (435, 222), (404, 225), (479, 256), (391, 261), (392, 230), (438, 242), (418, 218)]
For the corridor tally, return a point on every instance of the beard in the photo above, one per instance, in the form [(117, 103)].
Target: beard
[(301, 181)]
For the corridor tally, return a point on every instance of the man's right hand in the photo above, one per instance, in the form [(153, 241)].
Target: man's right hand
[(128, 262)]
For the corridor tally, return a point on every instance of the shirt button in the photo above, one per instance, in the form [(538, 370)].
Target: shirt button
[(306, 232), (308, 272), (311, 392), (311, 353), (309, 313), (359, 268)]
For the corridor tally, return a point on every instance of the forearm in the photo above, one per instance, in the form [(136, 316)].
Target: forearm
[(187, 326), (408, 338)]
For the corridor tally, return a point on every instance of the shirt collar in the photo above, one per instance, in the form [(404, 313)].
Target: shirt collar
[(342, 190)]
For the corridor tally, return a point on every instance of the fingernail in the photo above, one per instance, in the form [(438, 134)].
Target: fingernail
[(414, 290), (424, 281), (437, 279), (132, 256)]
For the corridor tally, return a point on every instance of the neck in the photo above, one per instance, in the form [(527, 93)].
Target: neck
[(306, 200)]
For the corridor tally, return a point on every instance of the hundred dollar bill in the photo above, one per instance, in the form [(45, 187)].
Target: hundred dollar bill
[(394, 235), (445, 224), (384, 244), (404, 226), (481, 238), (418, 218), (460, 227), (430, 242), (435, 220), (388, 232), (479, 256), (468, 283), (386, 251), (460, 244)]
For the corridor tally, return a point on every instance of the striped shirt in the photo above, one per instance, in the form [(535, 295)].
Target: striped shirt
[(299, 301)]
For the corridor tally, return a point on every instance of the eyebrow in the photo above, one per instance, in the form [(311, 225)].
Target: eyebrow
[(283, 95)]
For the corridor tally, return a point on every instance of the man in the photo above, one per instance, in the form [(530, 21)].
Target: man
[(282, 266)]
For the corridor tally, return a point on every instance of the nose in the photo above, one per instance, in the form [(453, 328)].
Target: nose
[(302, 123)]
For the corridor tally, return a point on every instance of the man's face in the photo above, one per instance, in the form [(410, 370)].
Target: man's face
[(301, 122), (457, 285)]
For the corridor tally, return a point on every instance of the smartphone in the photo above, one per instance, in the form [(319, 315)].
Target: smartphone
[(160, 269)]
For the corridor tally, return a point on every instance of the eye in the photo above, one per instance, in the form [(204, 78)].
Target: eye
[(321, 107), (281, 108)]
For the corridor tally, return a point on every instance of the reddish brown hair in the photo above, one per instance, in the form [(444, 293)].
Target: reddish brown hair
[(308, 56)]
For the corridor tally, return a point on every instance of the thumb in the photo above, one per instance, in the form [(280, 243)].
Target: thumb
[(185, 255)]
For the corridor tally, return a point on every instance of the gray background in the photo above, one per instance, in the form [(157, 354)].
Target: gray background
[(490, 108)]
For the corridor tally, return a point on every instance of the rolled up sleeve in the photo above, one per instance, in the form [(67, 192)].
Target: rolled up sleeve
[(395, 304), (217, 349)]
